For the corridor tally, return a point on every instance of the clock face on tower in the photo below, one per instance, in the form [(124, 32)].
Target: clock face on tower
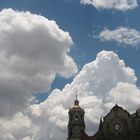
[(117, 126)]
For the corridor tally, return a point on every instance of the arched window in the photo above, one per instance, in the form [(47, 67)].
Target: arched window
[(76, 117)]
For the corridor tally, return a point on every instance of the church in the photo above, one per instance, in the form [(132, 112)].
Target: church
[(118, 124)]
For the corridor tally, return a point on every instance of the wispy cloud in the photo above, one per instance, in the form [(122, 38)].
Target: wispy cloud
[(121, 35), (121, 5)]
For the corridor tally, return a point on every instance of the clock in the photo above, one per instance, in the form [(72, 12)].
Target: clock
[(117, 126)]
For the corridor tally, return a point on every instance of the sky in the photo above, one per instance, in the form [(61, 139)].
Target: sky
[(51, 50)]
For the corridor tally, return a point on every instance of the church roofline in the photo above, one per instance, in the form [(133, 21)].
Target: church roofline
[(117, 107)]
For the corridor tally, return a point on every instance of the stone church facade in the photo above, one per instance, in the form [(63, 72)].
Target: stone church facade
[(118, 124)]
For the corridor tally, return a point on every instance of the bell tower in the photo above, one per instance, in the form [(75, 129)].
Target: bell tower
[(76, 125)]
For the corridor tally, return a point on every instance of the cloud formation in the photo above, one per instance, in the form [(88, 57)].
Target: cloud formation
[(120, 5), (100, 85), (19, 127), (33, 49), (122, 35)]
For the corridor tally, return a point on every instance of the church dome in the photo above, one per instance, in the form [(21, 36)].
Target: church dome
[(76, 106)]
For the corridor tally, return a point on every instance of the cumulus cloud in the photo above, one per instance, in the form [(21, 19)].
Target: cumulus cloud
[(100, 85), (33, 49), (121, 35), (121, 5), (125, 93), (16, 128)]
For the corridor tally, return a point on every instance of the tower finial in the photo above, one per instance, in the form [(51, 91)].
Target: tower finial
[(76, 102), (76, 96)]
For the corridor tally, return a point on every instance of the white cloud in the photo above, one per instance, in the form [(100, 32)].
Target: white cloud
[(98, 85), (121, 5), (16, 128), (33, 50), (121, 35), (125, 93)]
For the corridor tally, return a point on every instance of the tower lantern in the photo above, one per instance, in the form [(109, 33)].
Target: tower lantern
[(76, 102)]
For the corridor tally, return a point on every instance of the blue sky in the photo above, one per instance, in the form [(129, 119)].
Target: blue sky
[(51, 50), (83, 22)]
